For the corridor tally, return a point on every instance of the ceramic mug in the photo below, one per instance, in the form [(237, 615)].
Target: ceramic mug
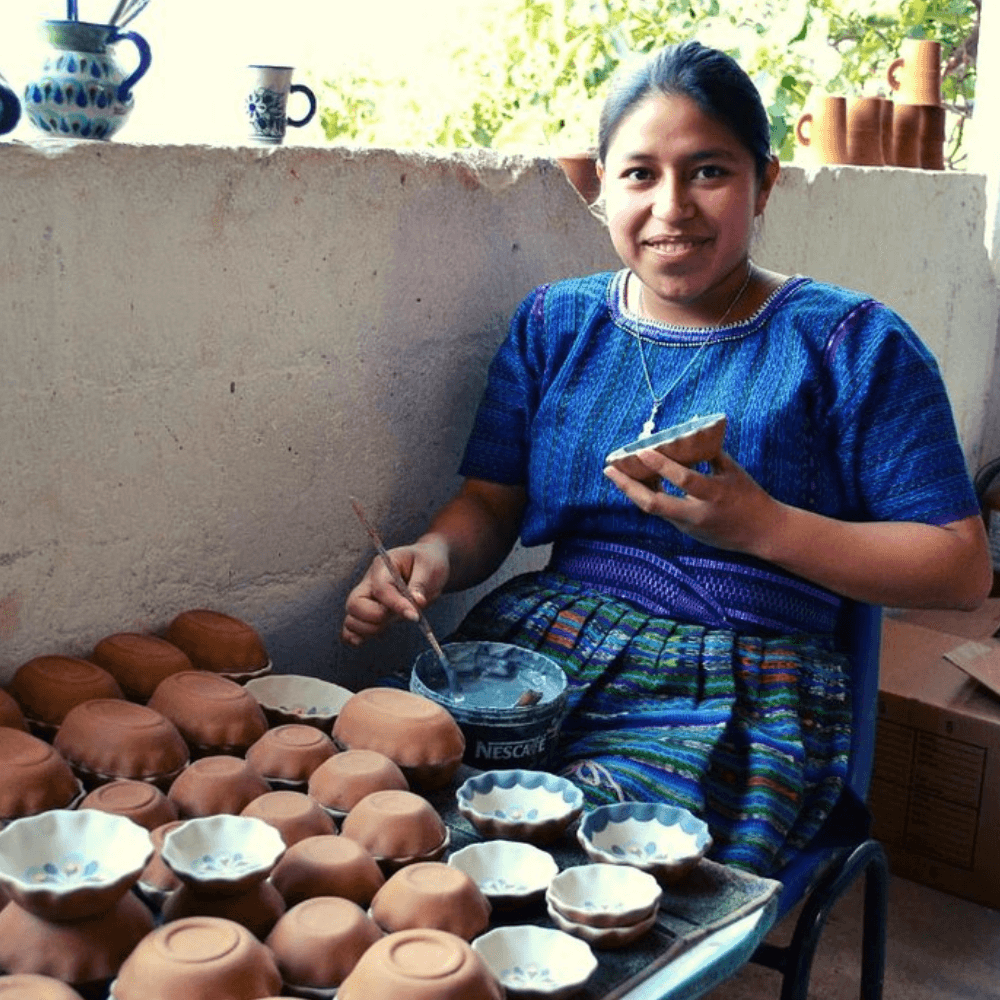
[(906, 119), (932, 137), (916, 74), (10, 107), (887, 112), (823, 130), (864, 131), (267, 100)]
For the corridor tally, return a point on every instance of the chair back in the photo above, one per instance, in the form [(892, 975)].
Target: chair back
[(862, 638)]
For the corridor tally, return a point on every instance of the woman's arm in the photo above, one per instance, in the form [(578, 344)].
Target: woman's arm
[(467, 541), (897, 564)]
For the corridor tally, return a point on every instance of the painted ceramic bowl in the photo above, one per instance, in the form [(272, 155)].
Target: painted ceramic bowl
[(28, 986), (520, 805), (82, 953), (666, 841), (293, 814), (106, 739), (34, 776), (420, 964), (198, 958), (327, 866), (605, 938), (509, 873), (11, 715), (47, 687), (397, 828), (218, 784), (294, 698), (222, 855), (257, 909), (139, 801), (139, 662), (604, 895), (215, 715), (220, 643), (286, 756), (694, 441), (71, 864), (157, 881), (318, 942), (342, 781), (416, 733), (536, 961)]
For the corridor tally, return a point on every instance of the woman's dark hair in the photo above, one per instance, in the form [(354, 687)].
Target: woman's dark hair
[(710, 78)]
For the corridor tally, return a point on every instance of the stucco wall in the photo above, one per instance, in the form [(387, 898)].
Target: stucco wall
[(206, 351)]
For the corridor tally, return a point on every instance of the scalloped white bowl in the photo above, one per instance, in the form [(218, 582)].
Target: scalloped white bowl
[(605, 938), (534, 961), (291, 698), (604, 895), (509, 873), (68, 865), (222, 854), (666, 841), (520, 805)]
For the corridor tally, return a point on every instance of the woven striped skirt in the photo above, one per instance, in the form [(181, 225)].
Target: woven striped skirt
[(751, 734)]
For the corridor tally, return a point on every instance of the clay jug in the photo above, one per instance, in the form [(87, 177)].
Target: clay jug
[(916, 74), (823, 130), (864, 132), (82, 92), (10, 108)]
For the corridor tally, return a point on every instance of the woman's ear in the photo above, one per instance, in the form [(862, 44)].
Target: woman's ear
[(770, 178)]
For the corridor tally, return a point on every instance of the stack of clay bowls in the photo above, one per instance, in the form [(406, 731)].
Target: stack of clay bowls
[(286, 756), (397, 828), (140, 801), (342, 781), (919, 117), (222, 783), (220, 643), (327, 865), (293, 814), (34, 777)]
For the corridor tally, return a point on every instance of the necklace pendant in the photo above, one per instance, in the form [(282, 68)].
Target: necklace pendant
[(650, 425)]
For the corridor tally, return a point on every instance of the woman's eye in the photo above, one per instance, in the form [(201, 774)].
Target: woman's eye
[(637, 174), (709, 172)]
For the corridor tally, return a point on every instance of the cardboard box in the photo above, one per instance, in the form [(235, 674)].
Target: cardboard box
[(935, 791)]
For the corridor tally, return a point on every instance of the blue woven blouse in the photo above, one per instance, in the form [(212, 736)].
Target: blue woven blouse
[(833, 405)]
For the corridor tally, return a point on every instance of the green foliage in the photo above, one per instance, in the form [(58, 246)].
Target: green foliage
[(535, 72)]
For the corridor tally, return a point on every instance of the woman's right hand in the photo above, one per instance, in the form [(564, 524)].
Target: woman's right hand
[(375, 601)]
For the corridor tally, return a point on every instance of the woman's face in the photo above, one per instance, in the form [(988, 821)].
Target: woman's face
[(682, 194)]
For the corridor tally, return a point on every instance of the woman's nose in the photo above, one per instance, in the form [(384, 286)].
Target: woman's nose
[(672, 199)]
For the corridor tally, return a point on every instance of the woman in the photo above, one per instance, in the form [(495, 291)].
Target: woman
[(696, 621)]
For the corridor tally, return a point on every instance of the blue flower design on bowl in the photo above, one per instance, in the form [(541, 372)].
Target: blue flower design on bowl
[(73, 869)]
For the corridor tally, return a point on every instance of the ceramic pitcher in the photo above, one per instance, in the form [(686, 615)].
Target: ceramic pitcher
[(10, 107), (82, 92)]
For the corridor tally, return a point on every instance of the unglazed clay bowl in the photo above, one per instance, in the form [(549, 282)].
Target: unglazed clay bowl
[(257, 909), (106, 739), (293, 814), (11, 715), (215, 715), (218, 784), (666, 841), (520, 805), (690, 443), (71, 864), (198, 958), (34, 776), (139, 662), (536, 961), (220, 643), (432, 894), (509, 873), (411, 730), (603, 895), (342, 781), (78, 952), (397, 828), (28, 986), (420, 964), (295, 698), (47, 687), (318, 942), (605, 938), (139, 801), (157, 881), (286, 756), (327, 866)]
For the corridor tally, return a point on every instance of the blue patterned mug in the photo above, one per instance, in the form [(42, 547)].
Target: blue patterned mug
[(10, 107), (267, 100)]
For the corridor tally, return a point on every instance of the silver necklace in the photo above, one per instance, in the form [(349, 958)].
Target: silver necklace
[(650, 425)]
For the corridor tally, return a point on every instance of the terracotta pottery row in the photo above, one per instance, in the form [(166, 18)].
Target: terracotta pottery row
[(34, 778), (397, 828)]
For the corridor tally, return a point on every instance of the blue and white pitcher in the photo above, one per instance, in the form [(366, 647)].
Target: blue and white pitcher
[(10, 107)]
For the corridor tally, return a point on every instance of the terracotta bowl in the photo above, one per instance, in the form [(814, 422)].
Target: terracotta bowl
[(286, 756), (295, 698), (71, 864), (10, 712), (327, 866), (139, 662), (106, 739), (293, 814), (415, 732), (198, 958), (420, 964), (28, 986), (397, 828), (78, 952), (213, 714), (343, 780), (220, 643), (222, 855), (157, 881), (319, 941), (34, 776), (47, 687), (694, 441), (432, 894), (140, 801), (258, 909), (218, 784)]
